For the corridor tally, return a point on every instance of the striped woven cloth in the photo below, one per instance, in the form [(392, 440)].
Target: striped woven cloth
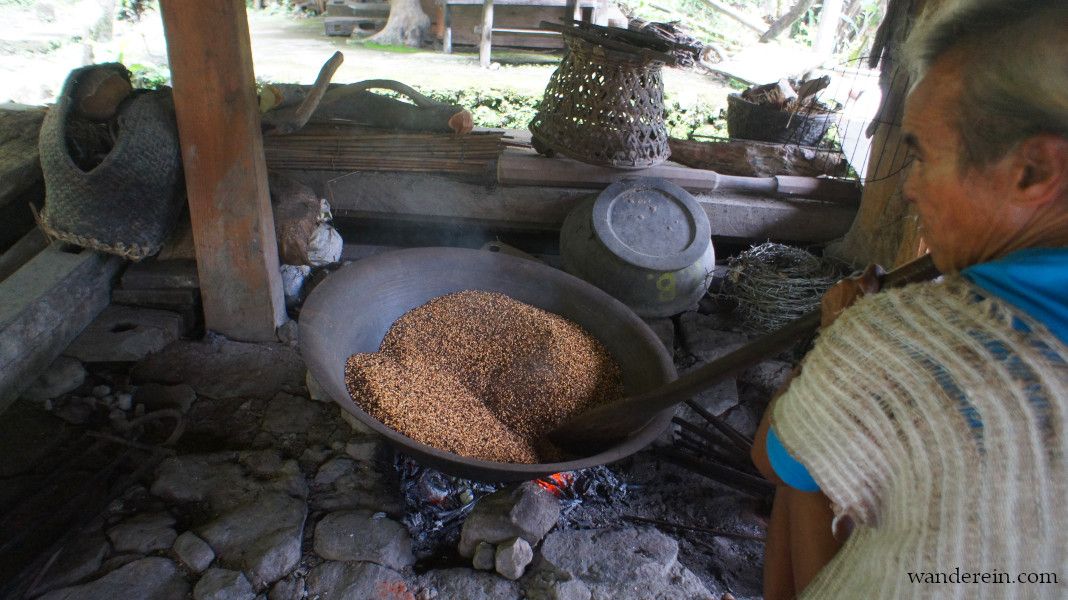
[(937, 422)]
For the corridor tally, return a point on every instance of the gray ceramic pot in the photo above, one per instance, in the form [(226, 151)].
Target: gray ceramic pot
[(645, 241)]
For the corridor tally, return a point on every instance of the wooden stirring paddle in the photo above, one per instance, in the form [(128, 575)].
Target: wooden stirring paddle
[(621, 419)]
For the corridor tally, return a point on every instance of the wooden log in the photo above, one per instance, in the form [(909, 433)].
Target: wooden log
[(756, 159), (226, 177), (438, 200), (44, 306), (519, 166)]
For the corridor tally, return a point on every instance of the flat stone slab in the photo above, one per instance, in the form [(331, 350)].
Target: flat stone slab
[(144, 533), (62, 376), (222, 481), (220, 368), (126, 334), (613, 564), (360, 536), (468, 585), (152, 578), (222, 584), (358, 581), (261, 538)]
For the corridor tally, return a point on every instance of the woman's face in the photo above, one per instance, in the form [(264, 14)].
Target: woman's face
[(964, 211)]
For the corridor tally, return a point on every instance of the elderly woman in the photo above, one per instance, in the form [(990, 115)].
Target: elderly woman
[(932, 420)]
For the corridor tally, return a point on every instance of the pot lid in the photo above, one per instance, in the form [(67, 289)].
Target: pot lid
[(652, 223)]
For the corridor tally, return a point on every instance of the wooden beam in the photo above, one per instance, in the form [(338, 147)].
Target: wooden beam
[(519, 166), (405, 197), (44, 306), (226, 178)]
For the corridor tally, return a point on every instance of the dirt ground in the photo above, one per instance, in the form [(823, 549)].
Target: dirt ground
[(40, 42)]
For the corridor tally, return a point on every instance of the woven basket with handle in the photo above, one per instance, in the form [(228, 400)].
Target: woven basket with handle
[(604, 107)]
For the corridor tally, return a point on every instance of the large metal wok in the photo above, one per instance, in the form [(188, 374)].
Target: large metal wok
[(352, 310)]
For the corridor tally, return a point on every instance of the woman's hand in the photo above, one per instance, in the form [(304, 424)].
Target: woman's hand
[(843, 294)]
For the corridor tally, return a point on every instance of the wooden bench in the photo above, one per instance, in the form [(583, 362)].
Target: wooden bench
[(573, 9)]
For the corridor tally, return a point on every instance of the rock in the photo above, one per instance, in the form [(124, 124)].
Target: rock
[(360, 536), (465, 584), (614, 563), (333, 469), (152, 578), (156, 396), (219, 368), (717, 399), (291, 414), (100, 391), (364, 450), (76, 411), (124, 401), (512, 558), (484, 557), (79, 559), (703, 338), (221, 584), (312, 457), (357, 581), (290, 588), (289, 333), (744, 418), (293, 277), (315, 391), (665, 330), (194, 552), (570, 590), (143, 533), (221, 482), (266, 463), (357, 425), (524, 510), (262, 538), (325, 246), (64, 375), (126, 334), (768, 376), (119, 560), (366, 489)]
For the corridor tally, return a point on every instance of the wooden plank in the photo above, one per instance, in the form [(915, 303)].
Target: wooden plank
[(22, 251), (521, 166), (44, 306), (436, 200), (226, 178)]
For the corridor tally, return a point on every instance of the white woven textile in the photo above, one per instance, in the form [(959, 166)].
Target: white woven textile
[(933, 420)]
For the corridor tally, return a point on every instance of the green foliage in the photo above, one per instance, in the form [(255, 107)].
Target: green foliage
[(395, 48), (149, 77), (509, 109), (133, 10)]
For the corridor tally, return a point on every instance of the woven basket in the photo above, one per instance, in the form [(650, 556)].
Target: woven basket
[(128, 203), (604, 107)]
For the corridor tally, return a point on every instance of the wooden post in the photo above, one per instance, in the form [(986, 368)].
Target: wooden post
[(487, 34), (226, 177), (446, 37)]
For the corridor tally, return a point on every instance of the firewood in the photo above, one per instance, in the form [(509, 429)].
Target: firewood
[(756, 159)]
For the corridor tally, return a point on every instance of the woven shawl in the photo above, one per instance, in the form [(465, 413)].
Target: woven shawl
[(932, 418)]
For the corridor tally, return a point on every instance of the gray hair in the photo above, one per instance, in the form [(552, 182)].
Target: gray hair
[(1015, 70)]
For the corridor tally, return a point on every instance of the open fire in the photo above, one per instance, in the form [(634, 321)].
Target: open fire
[(436, 504)]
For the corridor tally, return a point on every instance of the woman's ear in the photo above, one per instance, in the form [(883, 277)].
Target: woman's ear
[(1041, 163)]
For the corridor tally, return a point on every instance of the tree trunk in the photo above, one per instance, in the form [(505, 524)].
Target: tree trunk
[(407, 25)]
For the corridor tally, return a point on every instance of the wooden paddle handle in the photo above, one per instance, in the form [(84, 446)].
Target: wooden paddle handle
[(683, 388)]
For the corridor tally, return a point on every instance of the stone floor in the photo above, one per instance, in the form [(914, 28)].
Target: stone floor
[(269, 492)]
